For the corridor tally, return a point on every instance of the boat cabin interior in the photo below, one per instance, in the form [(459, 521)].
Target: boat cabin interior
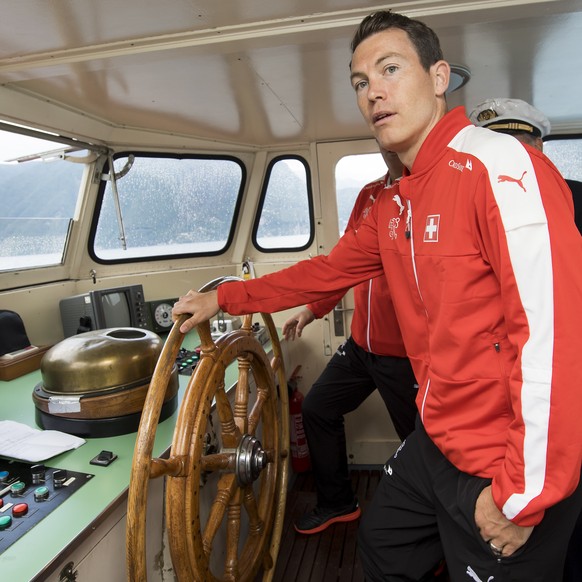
[(148, 148)]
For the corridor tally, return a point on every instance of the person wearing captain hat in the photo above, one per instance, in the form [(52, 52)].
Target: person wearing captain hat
[(512, 116), (527, 124)]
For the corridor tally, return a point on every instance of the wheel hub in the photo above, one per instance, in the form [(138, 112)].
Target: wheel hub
[(251, 459)]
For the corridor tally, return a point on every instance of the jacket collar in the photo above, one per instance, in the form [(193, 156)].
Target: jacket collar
[(438, 139)]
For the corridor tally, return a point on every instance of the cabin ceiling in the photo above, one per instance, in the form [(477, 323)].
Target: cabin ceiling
[(258, 73)]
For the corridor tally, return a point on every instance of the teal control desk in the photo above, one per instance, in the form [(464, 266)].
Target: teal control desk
[(37, 553)]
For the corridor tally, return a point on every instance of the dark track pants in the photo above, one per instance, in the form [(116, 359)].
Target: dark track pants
[(573, 568), (423, 510), (349, 378)]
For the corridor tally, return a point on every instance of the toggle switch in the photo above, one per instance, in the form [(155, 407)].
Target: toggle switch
[(104, 458)]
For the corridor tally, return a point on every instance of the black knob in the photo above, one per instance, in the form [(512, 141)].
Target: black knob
[(38, 473), (59, 478)]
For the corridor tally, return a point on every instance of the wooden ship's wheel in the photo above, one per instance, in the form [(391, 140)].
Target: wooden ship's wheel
[(226, 475)]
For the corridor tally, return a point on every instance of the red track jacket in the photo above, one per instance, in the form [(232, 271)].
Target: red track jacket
[(374, 326), (484, 263)]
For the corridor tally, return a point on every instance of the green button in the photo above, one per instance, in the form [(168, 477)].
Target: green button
[(41, 493), (17, 488), (5, 521)]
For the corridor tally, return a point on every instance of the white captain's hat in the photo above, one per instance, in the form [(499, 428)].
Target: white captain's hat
[(503, 114)]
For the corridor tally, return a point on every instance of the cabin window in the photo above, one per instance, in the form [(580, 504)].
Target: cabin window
[(166, 206), (39, 188), (285, 217), (566, 154), (352, 173)]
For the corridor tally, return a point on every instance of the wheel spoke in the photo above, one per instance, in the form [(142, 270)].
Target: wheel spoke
[(256, 524), (229, 430), (241, 399), (255, 415), (173, 466), (226, 487), (231, 569), (218, 462)]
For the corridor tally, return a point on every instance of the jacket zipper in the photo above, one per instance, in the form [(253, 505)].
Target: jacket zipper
[(369, 315), (424, 399), (410, 237)]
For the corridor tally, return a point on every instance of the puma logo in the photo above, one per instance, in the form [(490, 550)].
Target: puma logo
[(518, 181), (398, 201), (472, 574)]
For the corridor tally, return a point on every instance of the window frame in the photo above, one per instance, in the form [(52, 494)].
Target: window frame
[(164, 257), (366, 180), (261, 204), (64, 148), (563, 137)]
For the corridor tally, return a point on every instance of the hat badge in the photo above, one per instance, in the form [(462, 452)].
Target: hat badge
[(487, 114)]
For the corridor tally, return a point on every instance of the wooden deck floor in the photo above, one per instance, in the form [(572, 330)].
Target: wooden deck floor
[(331, 555)]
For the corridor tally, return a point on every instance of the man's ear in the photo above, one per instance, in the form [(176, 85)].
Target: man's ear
[(441, 73)]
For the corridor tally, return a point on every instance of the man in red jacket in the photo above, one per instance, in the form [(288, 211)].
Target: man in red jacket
[(482, 258), (372, 357)]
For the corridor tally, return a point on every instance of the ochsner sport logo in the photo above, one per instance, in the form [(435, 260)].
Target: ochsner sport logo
[(459, 166)]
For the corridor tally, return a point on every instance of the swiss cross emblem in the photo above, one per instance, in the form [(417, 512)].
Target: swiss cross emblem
[(431, 230)]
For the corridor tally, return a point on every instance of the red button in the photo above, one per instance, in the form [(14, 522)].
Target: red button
[(20, 509)]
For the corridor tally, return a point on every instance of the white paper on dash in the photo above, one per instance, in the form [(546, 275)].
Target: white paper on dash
[(23, 443)]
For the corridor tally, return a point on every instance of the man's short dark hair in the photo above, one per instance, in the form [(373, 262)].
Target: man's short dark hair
[(424, 39)]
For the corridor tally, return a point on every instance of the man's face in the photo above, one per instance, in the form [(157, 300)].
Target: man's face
[(399, 99)]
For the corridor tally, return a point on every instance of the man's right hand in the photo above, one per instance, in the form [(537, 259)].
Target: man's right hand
[(295, 324), (202, 306)]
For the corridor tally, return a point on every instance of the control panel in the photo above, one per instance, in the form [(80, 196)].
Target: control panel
[(187, 360), (28, 493)]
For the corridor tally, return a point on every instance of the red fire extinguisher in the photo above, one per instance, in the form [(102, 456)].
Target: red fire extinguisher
[(300, 459)]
